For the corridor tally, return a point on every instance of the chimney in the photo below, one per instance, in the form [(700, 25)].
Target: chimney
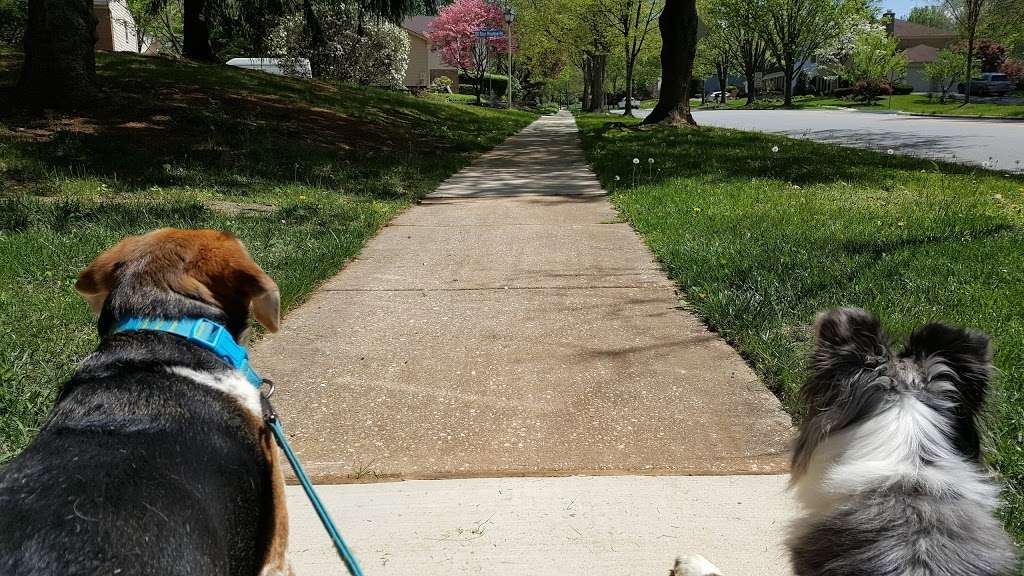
[(890, 22)]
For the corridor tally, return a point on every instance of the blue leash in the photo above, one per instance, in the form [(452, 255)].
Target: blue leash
[(339, 543), (217, 339)]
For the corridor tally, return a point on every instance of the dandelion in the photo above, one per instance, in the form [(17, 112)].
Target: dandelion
[(650, 160), (775, 149), (890, 151), (302, 197), (636, 160), (617, 178), (696, 210)]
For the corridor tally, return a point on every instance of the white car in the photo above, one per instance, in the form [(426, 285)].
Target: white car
[(299, 67)]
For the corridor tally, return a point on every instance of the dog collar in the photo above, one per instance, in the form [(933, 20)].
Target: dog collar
[(202, 332)]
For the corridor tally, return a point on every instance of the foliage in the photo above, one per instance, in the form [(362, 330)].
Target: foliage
[(947, 70), (157, 21), (634, 21), (1015, 70), (991, 55), (868, 89), (795, 30), (453, 33), (441, 84), (12, 21), (934, 16), (967, 14), (759, 241), (377, 57), (871, 57), (303, 171), (1003, 24)]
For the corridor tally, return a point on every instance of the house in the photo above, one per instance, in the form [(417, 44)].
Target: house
[(424, 62), (921, 45), (116, 31)]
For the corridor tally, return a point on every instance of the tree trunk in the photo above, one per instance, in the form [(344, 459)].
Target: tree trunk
[(970, 66), (723, 79), (598, 65), (196, 32), (787, 90), (585, 102), (60, 54), (678, 26), (629, 88), (750, 75)]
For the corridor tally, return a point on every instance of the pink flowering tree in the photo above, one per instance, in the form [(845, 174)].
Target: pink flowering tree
[(453, 33)]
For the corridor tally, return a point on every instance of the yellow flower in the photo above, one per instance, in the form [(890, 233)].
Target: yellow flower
[(696, 210)]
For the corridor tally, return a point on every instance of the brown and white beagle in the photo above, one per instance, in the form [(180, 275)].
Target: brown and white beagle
[(155, 459)]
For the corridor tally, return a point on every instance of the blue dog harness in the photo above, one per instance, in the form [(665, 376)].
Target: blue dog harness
[(216, 338)]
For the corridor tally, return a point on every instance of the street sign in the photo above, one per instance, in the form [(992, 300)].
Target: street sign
[(492, 33)]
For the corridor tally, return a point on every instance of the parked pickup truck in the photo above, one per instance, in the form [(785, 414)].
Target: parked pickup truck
[(989, 84)]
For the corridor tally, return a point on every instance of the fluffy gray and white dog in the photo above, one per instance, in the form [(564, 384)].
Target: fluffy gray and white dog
[(888, 463)]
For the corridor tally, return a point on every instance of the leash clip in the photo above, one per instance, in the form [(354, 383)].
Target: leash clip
[(269, 414)]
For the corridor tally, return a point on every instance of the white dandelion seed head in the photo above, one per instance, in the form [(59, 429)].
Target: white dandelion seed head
[(616, 178), (775, 149), (636, 160), (890, 152), (650, 160)]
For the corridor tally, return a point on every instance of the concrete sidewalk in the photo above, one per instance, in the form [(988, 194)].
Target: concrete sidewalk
[(514, 336), (574, 526), (511, 326)]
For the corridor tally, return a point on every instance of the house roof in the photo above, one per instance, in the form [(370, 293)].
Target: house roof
[(921, 54), (905, 29), (417, 24)]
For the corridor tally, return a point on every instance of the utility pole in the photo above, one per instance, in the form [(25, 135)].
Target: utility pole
[(510, 17)]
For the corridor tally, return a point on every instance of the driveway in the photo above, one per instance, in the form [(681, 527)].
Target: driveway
[(999, 142)]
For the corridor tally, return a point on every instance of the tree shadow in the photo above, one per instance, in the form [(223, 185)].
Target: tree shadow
[(169, 123)]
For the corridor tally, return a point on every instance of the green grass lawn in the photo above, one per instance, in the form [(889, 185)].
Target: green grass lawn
[(304, 172), (914, 103), (759, 242)]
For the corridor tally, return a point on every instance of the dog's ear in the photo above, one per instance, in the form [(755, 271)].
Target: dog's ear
[(848, 338), (263, 294), (966, 353), (222, 265), (208, 265), (841, 387), (96, 281)]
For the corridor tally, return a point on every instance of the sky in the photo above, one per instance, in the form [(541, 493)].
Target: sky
[(902, 7)]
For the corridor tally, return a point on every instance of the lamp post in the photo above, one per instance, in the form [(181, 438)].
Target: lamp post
[(510, 17)]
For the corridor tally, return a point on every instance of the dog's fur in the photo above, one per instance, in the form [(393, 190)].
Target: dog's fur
[(888, 462), (155, 459)]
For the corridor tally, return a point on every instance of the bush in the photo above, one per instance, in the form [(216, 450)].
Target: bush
[(12, 21), (869, 90), (1015, 70), (441, 84), (901, 88), (499, 84), (843, 92), (379, 57)]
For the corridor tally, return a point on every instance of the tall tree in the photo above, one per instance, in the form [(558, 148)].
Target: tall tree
[(634, 20), (967, 14), (577, 29), (794, 30), (738, 21), (60, 56), (678, 25), (934, 16)]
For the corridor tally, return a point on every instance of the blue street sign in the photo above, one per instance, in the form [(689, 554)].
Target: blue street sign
[(493, 33)]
